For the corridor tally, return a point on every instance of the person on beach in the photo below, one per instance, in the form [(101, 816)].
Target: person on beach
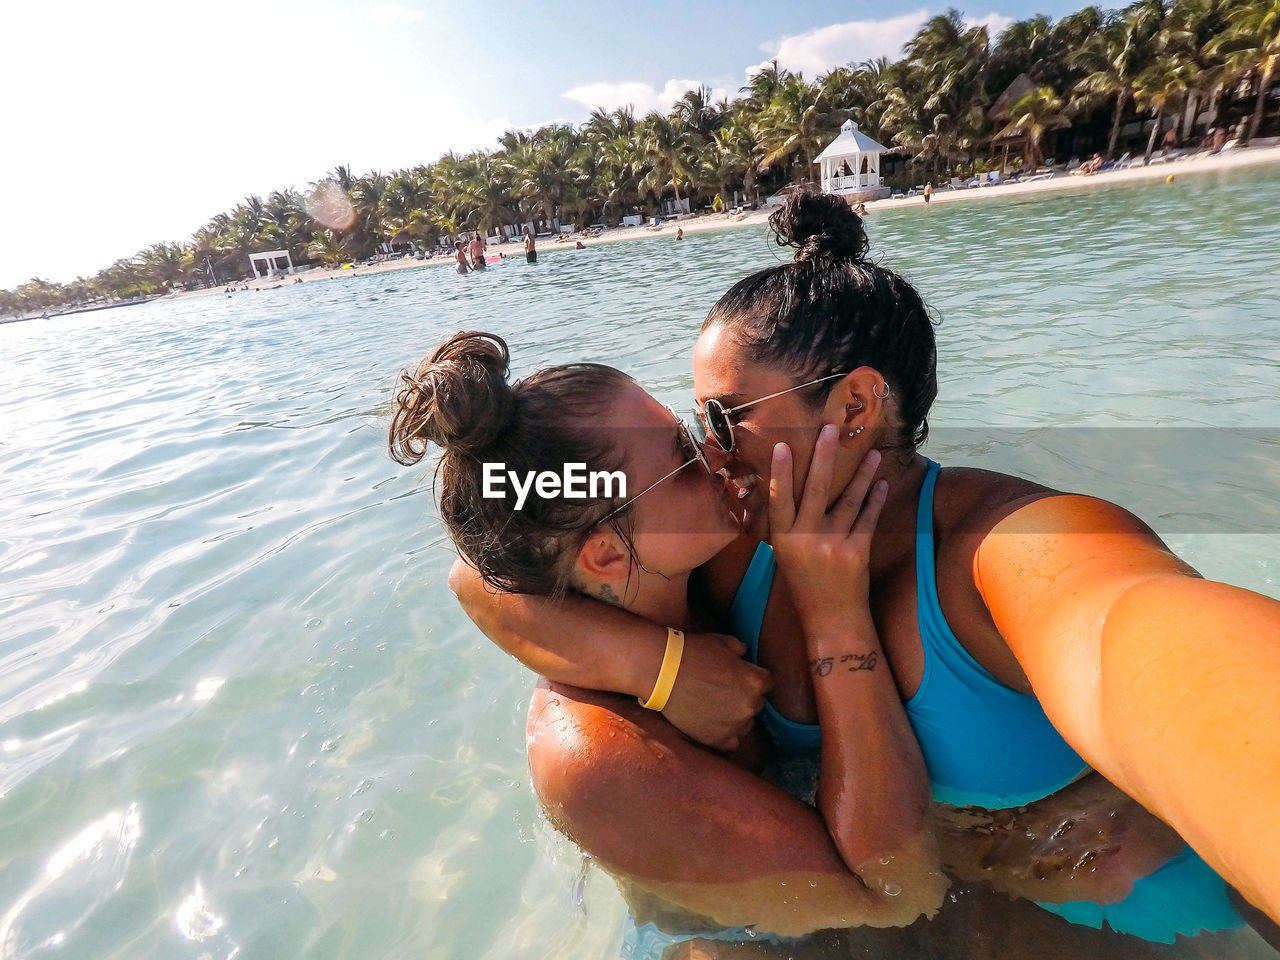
[(679, 233), (460, 257), (1092, 165), (835, 339), (530, 249), (928, 191), (476, 251)]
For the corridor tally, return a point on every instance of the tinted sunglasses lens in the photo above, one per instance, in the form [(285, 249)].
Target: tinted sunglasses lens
[(697, 425), (718, 425)]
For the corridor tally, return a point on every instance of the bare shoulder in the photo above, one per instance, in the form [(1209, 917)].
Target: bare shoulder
[(1011, 515), (972, 501)]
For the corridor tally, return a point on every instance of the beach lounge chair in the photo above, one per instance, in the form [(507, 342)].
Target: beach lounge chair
[(957, 184), (993, 178)]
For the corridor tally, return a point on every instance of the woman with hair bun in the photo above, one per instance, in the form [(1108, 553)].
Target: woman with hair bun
[(635, 550), (1032, 637)]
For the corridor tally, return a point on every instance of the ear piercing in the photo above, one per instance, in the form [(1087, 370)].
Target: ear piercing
[(854, 433), (880, 395)]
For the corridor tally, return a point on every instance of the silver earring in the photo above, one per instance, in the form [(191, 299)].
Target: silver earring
[(854, 433), (881, 396)]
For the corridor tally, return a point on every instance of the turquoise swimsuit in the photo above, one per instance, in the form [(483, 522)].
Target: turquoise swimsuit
[(959, 711)]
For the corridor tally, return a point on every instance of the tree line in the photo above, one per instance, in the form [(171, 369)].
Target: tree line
[(1081, 81)]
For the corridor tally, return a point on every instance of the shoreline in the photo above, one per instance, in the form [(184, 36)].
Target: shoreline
[(1247, 157)]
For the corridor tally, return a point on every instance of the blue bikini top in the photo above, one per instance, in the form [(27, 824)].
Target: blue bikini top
[(984, 744)]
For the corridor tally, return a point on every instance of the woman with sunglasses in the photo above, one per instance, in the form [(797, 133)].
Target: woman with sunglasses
[(999, 603), (748, 852)]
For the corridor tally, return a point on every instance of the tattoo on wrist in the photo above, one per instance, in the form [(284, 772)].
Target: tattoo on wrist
[(850, 662)]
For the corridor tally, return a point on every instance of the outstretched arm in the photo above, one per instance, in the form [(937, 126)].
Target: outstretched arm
[(1164, 682), (587, 643)]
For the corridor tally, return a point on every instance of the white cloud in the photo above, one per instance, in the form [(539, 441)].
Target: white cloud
[(394, 15), (825, 48), (643, 96), (822, 49), (994, 22)]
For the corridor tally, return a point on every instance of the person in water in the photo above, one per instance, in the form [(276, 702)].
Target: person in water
[(530, 249), (460, 256), (865, 856), (476, 251), (977, 657)]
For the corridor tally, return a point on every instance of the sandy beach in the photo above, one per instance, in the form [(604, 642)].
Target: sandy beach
[(1232, 160)]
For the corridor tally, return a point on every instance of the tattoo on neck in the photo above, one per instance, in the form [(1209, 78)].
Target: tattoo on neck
[(608, 596), (850, 662)]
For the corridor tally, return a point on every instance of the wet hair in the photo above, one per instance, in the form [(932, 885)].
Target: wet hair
[(461, 400), (832, 310)]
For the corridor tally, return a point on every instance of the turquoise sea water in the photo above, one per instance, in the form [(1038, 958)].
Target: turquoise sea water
[(240, 713)]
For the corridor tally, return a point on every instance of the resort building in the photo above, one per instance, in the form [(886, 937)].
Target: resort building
[(850, 166), (270, 262)]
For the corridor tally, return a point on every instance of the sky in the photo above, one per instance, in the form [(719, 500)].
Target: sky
[(130, 123)]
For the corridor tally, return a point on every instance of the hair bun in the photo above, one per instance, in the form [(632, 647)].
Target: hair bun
[(458, 398), (822, 227)]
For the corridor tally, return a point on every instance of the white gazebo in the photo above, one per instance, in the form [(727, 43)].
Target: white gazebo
[(270, 262), (851, 164)]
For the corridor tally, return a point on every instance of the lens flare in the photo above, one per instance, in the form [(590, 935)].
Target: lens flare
[(329, 205)]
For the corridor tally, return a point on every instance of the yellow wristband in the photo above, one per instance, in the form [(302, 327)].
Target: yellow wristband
[(667, 673)]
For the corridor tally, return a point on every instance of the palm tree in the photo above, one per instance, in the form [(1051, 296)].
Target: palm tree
[(617, 175), (846, 91), (737, 142), (326, 246), (541, 170), (403, 207), (696, 111), (882, 79), (1038, 112), (1113, 57), (950, 61), (1251, 44), (1161, 86), (486, 192), (665, 146), (162, 265), (366, 196), (796, 125), (762, 86)]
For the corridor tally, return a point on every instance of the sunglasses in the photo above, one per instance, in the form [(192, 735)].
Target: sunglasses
[(689, 443), (713, 417)]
